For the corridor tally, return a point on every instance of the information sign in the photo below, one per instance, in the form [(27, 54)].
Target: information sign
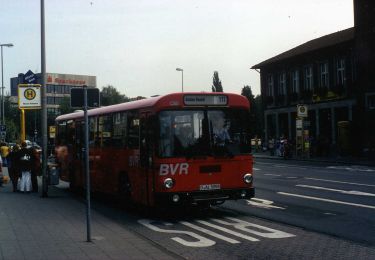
[(29, 96)]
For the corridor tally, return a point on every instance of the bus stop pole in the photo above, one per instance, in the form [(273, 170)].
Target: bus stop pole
[(87, 166), (44, 103), (23, 132)]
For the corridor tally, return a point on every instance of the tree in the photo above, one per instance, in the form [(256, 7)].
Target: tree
[(246, 91), (110, 96), (216, 83), (256, 111)]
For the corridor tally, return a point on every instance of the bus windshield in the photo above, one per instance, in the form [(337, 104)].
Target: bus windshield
[(214, 132)]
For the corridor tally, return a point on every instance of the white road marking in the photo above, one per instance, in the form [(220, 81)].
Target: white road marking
[(344, 182), (350, 192), (253, 239), (256, 169), (327, 200), (234, 224), (206, 231), (202, 241), (271, 174), (351, 168), (247, 227), (261, 203)]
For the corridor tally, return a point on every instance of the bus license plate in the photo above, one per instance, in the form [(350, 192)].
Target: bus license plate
[(209, 187)]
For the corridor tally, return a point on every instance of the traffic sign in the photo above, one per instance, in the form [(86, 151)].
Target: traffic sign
[(3, 128), (29, 96), (29, 77), (302, 111)]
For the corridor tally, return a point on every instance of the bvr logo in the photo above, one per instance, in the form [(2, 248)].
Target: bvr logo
[(181, 168)]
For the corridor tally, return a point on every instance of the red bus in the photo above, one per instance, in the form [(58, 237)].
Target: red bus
[(181, 148)]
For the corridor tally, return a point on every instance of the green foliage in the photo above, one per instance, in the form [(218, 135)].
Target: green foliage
[(256, 111), (110, 96), (216, 83), (246, 91)]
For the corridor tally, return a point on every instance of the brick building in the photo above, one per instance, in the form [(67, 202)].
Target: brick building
[(334, 77)]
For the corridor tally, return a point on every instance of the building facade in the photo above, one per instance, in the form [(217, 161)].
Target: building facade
[(333, 76)]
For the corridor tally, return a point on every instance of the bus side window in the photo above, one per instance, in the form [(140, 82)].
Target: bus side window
[(105, 131), (133, 131), (119, 130), (92, 131), (61, 132)]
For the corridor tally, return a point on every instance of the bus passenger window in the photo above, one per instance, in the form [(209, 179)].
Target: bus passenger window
[(105, 131), (92, 131), (119, 130), (133, 133)]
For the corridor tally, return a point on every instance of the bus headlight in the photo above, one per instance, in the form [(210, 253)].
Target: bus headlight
[(168, 183), (248, 178)]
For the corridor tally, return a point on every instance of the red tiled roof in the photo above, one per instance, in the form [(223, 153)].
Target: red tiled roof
[(319, 43)]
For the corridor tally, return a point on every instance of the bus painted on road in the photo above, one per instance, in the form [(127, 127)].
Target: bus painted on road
[(180, 148)]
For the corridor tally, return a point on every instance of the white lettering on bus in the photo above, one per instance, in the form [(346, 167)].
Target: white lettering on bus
[(180, 168)]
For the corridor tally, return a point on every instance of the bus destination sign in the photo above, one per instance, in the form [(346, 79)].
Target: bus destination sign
[(205, 100)]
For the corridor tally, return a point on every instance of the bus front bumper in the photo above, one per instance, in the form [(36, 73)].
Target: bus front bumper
[(197, 197)]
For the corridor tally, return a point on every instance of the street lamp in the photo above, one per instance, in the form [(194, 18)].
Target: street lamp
[(2, 80), (179, 69)]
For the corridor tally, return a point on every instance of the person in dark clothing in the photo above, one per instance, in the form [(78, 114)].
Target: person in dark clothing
[(35, 170), (13, 167), (26, 161)]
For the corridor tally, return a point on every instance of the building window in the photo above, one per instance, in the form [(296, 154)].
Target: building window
[(282, 82), (308, 78), (50, 100), (340, 68), (323, 79), (295, 81), (270, 86)]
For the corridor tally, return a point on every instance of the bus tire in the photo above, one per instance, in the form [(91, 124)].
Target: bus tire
[(124, 187)]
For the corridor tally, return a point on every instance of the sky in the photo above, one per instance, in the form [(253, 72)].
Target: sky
[(136, 46)]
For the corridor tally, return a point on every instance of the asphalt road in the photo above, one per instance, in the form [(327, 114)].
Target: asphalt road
[(301, 211), (328, 198)]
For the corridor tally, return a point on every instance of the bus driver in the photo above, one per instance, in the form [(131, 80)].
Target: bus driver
[(220, 131)]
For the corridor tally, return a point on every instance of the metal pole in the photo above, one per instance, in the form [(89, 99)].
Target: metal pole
[(182, 80), (44, 103), (87, 166), (2, 87), (23, 127)]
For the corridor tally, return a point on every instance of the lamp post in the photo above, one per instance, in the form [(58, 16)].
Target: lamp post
[(2, 80), (179, 69)]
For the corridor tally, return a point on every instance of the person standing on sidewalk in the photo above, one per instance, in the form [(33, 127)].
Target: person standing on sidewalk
[(4, 149), (1, 173), (13, 167), (26, 162)]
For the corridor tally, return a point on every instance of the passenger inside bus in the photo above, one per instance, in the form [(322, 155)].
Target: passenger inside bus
[(220, 130)]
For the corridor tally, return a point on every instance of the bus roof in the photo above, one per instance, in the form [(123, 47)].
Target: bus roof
[(170, 101)]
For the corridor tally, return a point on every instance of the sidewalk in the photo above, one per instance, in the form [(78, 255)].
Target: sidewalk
[(340, 160), (32, 227)]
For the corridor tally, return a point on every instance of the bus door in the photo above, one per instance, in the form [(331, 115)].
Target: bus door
[(147, 128), (76, 175)]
